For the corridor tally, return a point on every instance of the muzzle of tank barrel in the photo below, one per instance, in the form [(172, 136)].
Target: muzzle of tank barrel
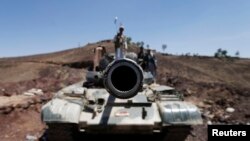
[(123, 78)]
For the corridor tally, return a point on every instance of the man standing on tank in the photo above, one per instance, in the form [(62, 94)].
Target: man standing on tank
[(150, 62), (120, 43), (141, 56)]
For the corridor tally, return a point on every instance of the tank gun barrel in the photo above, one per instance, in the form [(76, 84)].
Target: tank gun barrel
[(123, 78)]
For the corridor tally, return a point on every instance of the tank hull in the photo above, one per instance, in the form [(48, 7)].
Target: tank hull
[(94, 110)]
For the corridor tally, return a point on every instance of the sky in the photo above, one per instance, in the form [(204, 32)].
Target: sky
[(195, 26)]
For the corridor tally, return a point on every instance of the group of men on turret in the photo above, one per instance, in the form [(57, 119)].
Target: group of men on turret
[(145, 59)]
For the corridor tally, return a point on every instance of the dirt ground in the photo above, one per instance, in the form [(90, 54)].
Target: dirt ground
[(216, 86)]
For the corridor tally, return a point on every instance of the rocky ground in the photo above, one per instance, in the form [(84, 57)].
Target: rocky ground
[(20, 102), (221, 89)]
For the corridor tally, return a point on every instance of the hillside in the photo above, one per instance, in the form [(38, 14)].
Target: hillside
[(212, 84)]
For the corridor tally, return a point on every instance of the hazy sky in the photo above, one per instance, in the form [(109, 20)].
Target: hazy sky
[(196, 26)]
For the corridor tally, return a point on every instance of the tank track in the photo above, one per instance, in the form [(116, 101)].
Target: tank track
[(69, 132), (176, 133), (61, 132)]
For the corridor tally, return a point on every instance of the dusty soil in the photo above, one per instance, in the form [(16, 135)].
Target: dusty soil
[(212, 84), (21, 122)]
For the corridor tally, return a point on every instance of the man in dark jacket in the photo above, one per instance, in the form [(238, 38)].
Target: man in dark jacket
[(140, 58), (150, 63)]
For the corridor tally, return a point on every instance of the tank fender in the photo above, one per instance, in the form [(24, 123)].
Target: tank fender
[(179, 113), (62, 111)]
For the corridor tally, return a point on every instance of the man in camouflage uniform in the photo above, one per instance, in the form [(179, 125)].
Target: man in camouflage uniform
[(120, 43)]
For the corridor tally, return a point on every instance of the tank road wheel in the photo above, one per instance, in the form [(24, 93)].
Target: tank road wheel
[(176, 133), (61, 132)]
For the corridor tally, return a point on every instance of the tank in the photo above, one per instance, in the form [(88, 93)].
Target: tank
[(120, 98)]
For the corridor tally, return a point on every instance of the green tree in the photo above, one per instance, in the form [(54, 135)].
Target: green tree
[(138, 44), (237, 54), (219, 50), (142, 43), (221, 53), (224, 53), (164, 47), (129, 40), (216, 55)]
